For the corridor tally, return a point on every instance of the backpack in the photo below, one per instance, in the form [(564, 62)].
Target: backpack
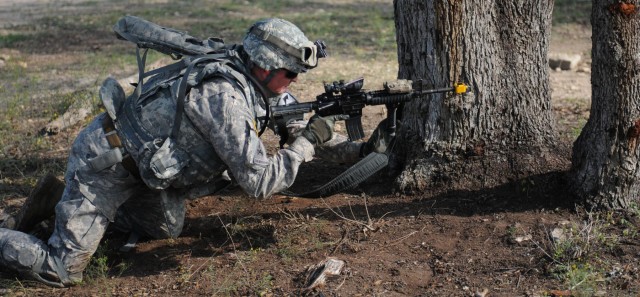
[(169, 41), (160, 158)]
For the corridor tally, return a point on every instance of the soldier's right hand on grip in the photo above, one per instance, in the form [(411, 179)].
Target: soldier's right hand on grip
[(320, 129)]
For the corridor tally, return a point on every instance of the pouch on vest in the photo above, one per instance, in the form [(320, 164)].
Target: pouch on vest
[(169, 160), (161, 163)]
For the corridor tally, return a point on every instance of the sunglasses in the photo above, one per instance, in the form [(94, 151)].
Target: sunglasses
[(290, 74)]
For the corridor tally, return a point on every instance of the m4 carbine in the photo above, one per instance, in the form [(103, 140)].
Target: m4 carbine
[(348, 98)]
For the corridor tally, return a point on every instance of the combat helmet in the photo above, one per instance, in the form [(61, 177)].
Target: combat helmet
[(276, 43)]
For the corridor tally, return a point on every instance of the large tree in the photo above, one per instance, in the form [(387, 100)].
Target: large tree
[(606, 159), (501, 130)]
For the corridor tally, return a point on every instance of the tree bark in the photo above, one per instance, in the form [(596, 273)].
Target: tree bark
[(605, 162), (501, 130)]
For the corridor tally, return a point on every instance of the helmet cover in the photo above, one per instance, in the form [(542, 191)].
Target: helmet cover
[(276, 43)]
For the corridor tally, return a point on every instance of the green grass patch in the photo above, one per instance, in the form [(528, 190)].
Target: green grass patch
[(10, 39), (579, 253), (350, 28), (572, 11), (101, 267)]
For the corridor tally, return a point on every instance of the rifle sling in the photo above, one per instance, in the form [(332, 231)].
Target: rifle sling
[(352, 177)]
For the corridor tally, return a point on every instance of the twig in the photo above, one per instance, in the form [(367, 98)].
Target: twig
[(199, 267), (353, 215), (384, 215), (366, 208), (339, 243), (347, 219), (545, 252), (402, 238), (578, 284), (341, 283), (233, 244)]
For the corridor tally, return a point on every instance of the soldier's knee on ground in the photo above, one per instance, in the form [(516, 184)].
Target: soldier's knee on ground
[(30, 257)]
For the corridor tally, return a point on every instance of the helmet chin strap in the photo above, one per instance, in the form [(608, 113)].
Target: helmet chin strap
[(270, 76), (264, 91), (265, 82)]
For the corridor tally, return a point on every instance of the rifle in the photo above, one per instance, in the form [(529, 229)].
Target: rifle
[(348, 98)]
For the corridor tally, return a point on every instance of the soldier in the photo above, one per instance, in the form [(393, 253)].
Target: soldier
[(135, 171)]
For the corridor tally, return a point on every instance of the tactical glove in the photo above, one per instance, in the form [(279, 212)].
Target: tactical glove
[(378, 142), (320, 129)]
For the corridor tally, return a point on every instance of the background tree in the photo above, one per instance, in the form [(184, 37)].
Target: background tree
[(503, 129), (605, 162)]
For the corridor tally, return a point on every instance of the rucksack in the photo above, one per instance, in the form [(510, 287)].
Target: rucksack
[(169, 41), (161, 158)]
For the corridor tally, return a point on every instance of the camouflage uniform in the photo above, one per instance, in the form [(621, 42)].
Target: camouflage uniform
[(219, 113)]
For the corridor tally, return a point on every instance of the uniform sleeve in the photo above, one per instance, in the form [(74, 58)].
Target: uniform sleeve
[(223, 115)]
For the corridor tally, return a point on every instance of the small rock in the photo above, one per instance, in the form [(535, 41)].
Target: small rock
[(584, 70), (7, 221), (564, 223), (564, 61), (557, 235), (481, 294), (520, 239)]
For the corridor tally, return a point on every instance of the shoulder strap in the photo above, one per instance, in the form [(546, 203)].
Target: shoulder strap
[(182, 88)]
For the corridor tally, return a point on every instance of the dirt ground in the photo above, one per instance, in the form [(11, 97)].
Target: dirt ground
[(494, 242)]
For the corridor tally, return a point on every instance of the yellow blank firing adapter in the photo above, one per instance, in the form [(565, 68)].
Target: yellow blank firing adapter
[(460, 88)]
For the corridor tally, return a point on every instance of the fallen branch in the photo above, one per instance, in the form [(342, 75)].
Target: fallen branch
[(317, 274), (77, 111)]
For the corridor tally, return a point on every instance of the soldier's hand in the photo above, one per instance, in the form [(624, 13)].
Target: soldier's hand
[(379, 140), (320, 129)]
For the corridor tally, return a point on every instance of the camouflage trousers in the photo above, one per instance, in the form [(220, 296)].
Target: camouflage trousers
[(91, 201)]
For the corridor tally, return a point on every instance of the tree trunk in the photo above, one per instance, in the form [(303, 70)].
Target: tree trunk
[(501, 130), (605, 164)]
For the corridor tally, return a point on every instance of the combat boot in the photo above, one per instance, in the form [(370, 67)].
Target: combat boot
[(39, 206)]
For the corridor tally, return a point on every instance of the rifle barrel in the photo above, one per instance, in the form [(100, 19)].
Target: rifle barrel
[(438, 90)]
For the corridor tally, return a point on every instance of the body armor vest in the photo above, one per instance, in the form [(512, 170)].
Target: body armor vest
[(165, 155)]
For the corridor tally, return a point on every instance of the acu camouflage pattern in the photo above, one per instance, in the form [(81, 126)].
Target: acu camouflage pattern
[(337, 150), (267, 55), (146, 123), (231, 124), (216, 112), (91, 201), (218, 133)]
